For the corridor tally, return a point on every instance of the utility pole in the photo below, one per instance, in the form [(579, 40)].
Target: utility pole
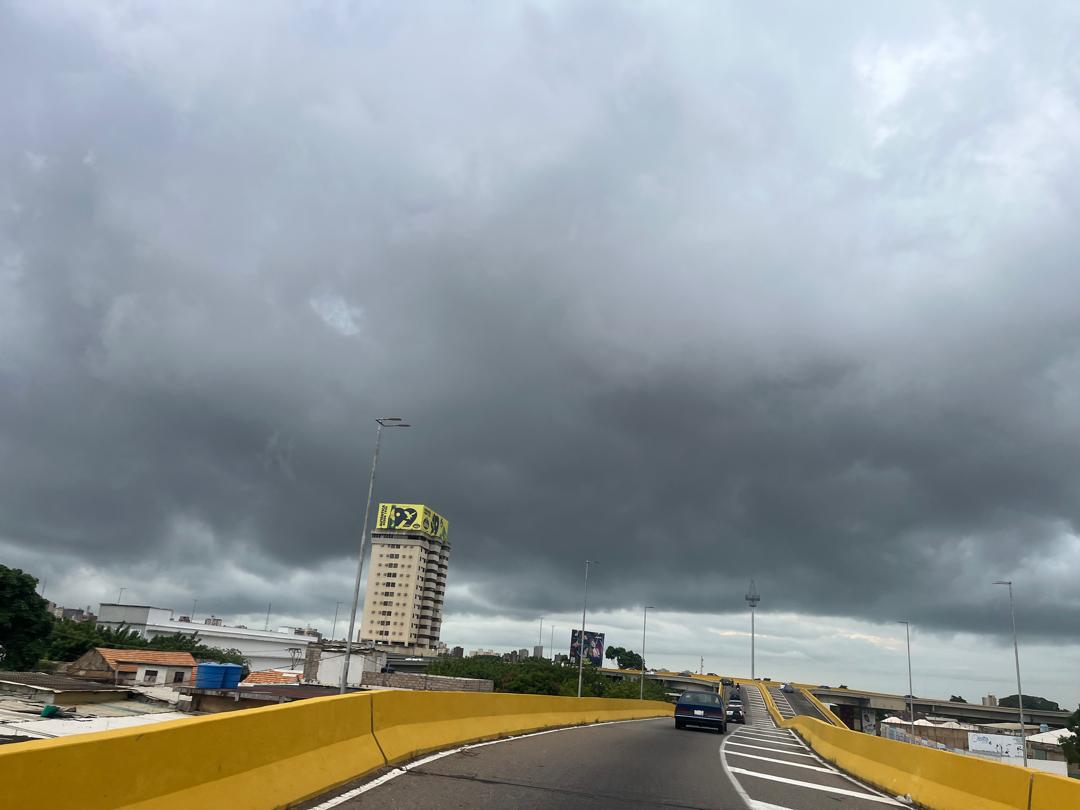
[(120, 596), (267, 625), (1016, 654), (581, 646), (385, 421), (911, 691), (644, 619), (752, 599), (333, 631), (194, 605), (552, 642), (541, 636)]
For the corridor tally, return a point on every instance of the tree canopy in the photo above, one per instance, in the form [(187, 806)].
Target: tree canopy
[(1032, 702), (1071, 745), (25, 621), (538, 676), (626, 659)]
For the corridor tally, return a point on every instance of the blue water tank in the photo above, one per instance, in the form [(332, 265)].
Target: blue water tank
[(231, 675), (209, 676)]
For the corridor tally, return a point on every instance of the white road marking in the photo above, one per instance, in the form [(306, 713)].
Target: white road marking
[(769, 740), (762, 731), (817, 768), (870, 797), (774, 750), (396, 772)]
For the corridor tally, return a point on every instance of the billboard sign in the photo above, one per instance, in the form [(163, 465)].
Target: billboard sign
[(412, 517), (594, 646), (1003, 745)]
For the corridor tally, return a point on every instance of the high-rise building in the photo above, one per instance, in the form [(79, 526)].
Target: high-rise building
[(406, 580)]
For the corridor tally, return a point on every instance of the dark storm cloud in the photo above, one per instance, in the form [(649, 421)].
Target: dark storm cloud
[(702, 296)]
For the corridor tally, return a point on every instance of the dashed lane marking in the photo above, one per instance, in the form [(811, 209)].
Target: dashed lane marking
[(763, 748), (817, 768)]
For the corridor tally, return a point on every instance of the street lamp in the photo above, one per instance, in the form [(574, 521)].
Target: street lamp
[(581, 646), (386, 421), (333, 632), (911, 692), (644, 619), (752, 599), (1016, 654), (541, 636)]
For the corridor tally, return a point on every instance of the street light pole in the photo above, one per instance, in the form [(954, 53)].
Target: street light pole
[(752, 599), (644, 619), (911, 692), (541, 636), (333, 631), (1016, 655), (387, 421), (581, 645)]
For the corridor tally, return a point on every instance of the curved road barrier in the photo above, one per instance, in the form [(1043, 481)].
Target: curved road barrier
[(940, 780), (270, 757), (821, 707)]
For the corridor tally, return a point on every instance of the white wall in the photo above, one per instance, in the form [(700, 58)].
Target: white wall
[(164, 674), (330, 665)]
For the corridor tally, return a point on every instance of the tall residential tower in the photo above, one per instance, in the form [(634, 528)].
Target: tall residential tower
[(406, 580)]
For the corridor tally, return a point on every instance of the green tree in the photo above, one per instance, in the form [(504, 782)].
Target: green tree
[(1071, 745), (626, 659), (70, 639), (1032, 702), (25, 620), (189, 642)]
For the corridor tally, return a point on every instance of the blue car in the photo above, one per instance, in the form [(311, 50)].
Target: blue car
[(704, 709)]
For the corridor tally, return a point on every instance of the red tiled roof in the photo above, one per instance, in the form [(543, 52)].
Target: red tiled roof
[(117, 658), (271, 676)]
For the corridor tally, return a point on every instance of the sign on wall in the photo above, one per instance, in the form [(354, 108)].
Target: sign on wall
[(1002, 744)]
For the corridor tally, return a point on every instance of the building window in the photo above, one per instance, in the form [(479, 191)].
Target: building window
[(150, 676), (178, 677)]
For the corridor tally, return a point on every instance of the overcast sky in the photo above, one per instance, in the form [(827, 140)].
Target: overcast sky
[(704, 291)]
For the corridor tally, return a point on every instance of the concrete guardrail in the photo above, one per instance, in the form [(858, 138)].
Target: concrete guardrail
[(271, 757), (940, 780), (826, 712)]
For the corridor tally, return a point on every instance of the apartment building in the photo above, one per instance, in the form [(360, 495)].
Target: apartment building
[(406, 584)]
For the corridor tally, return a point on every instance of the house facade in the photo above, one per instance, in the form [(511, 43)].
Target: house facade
[(135, 667)]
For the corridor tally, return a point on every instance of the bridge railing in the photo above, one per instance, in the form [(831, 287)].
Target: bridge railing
[(270, 757), (939, 780), (826, 712)]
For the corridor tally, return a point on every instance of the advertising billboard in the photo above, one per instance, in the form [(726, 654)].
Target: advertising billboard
[(594, 646), (1001, 744), (412, 517)]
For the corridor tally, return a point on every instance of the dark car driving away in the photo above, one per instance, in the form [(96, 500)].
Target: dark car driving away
[(735, 710), (700, 709)]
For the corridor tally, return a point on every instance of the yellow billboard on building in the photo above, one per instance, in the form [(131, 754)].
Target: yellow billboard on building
[(412, 517)]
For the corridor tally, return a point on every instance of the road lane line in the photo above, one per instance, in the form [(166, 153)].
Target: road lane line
[(817, 768), (769, 732), (404, 769), (774, 750), (870, 797), (768, 740)]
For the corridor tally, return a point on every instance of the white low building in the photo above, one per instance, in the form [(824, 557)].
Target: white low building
[(264, 649)]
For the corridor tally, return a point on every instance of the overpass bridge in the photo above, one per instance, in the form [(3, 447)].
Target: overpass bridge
[(850, 704)]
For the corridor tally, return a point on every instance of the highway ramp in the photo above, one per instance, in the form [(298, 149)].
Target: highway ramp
[(635, 764)]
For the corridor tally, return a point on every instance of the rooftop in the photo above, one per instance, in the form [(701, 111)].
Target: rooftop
[(55, 683), (169, 659)]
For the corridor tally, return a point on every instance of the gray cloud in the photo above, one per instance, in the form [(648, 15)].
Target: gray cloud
[(703, 294)]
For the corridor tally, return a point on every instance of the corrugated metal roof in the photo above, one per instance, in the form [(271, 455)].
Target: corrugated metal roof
[(57, 683), (170, 659)]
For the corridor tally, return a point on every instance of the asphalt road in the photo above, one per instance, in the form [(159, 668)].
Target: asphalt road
[(636, 764)]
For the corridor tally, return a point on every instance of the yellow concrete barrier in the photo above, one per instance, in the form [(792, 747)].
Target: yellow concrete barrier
[(408, 724), (1052, 792), (258, 759), (940, 780), (821, 707)]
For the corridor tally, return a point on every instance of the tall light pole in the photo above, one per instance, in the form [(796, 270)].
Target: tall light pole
[(333, 631), (911, 692), (581, 646), (120, 596), (552, 642), (1016, 654), (644, 619), (752, 599), (541, 636), (386, 421)]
